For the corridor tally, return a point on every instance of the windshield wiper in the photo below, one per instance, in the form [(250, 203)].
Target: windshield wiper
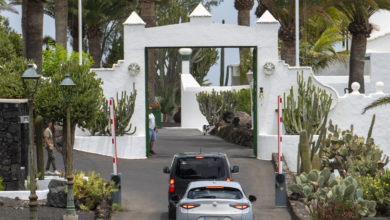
[(206, 197)]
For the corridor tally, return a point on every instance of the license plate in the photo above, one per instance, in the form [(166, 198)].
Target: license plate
[(216, 218)]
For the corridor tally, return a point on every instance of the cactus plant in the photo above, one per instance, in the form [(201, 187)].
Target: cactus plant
[(323, 185), (297, 112), (213, 105), (348, 153), (124, 109), (314, 159)]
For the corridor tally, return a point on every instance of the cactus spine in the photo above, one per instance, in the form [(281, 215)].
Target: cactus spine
[(39, 146)]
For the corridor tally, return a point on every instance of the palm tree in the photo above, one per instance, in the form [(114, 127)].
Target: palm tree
[(284, 12), (244, 7), (358, 13), (61, 20), (72, 23), (322, 54), (148, 14), (7, 7), (34, 29)]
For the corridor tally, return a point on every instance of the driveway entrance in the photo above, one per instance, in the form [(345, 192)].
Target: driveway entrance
[(145, 186)]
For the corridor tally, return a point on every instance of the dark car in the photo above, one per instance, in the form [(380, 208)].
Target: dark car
[(195, 166)]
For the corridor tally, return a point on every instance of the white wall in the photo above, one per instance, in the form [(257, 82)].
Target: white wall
[(191, 117), (347, 111)]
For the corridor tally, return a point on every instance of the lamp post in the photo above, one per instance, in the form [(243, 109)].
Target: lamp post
[(249, 76), (67, 87), (31, 76)]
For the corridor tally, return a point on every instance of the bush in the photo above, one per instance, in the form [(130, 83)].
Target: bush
[(11, 86), (1, 184), (377, 189), (91, 191), (245, 101), (336, 208)]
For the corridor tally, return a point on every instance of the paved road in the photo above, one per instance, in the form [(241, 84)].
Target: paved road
[(145, 186)]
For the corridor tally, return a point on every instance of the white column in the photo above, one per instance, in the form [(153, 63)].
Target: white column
[(80, 34), (185, 60)]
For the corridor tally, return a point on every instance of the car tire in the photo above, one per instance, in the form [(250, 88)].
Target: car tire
[(171, 214)]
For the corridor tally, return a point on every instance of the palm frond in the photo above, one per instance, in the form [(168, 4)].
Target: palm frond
[(377, 103)]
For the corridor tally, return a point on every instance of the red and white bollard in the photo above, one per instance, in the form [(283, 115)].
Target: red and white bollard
[(280, 126), (116, 177), (113, 135), (280, 177)]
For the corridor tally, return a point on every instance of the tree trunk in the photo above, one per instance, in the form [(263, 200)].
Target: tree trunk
[(356, 63), (95, 48), (34, 32), (244, 19), (287, 52), (24, 26), (65, 143), (61, 20), (148, 14), (75, 43)]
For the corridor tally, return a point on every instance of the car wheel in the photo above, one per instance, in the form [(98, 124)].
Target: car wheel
[(172, 214)]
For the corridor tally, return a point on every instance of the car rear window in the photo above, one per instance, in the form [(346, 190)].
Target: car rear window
[(214, 193), (204, 168)]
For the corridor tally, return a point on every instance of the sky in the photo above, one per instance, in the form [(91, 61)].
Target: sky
[(224, 11)]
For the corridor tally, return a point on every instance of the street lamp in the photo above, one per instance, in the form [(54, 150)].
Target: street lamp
[(249, 76), (31, 76), (67, 87)]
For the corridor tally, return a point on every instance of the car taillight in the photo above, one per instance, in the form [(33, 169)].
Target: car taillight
[(189, 206), (171, 185), (228, 179), (199, 157), (239, 206)]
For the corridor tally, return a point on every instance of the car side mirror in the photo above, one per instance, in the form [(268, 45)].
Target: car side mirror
[(166, 170), (235, 169), (175, 199), (252, 198)]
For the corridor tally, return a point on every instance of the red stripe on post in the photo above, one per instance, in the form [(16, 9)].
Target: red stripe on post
[(280, 100), (110, 102), (280, 139), (112, 141), (113, 160), (281, 120), (281, 158), (112, 121)]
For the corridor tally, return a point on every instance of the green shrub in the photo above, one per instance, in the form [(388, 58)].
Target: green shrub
[(91, 191), (1, 184), (117, 207), (336, 208), (245, 101), (377, 188), (11, 86)]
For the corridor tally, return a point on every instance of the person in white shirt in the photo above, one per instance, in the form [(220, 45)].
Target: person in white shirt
[(152, 130)]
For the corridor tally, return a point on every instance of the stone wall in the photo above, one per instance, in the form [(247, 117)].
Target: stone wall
[(13, 144)]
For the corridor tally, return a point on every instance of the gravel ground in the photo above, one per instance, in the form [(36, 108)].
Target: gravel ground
[(44, 213)]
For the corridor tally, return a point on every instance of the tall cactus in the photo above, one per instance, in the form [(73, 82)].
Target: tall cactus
[(124, 109), (213, 105), (39, 146), (305, 151), (297, 112)]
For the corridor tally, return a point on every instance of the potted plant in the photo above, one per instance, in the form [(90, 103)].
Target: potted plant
[(156, 110)]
